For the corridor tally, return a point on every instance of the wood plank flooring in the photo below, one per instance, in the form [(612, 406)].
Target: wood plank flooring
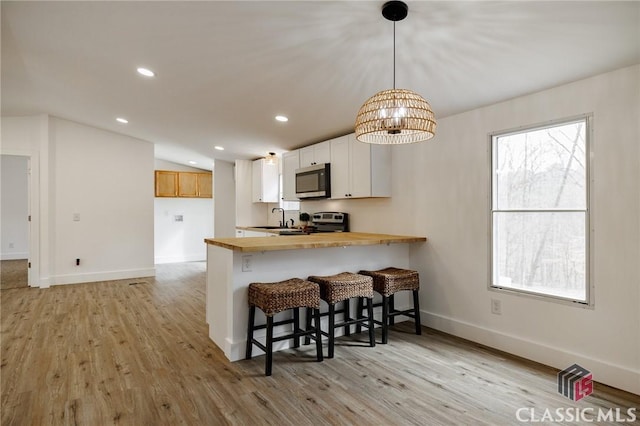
[(137, 352), (13, 274)]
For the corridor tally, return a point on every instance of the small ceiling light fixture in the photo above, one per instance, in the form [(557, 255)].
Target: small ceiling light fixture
[(219, 148), (146, 72), (122, 120), (282, 118), (395, 116), (271, 159), (193, 162)]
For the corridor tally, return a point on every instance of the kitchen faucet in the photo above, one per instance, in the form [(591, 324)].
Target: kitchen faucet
[(283, 224)]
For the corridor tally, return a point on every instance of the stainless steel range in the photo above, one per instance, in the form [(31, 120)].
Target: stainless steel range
[(330, 221)]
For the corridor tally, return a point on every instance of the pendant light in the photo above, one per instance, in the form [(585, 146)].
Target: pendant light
[(395, 116), (271, 159)]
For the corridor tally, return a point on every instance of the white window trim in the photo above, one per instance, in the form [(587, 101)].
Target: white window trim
[(589, 231)]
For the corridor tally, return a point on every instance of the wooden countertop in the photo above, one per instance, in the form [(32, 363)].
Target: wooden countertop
[(321, 240)]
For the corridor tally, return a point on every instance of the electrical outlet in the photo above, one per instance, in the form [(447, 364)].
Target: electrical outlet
[(246, 263), (496, 306)]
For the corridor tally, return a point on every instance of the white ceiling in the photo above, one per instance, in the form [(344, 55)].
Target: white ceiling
[(225, 69)]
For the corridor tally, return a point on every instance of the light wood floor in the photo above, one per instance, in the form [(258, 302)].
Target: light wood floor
[(136, 352), (13, 274)]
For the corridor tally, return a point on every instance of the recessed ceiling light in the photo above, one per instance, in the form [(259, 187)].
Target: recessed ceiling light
[(122, 120), (281, 118), (219, 148), (192, 162), (146, 72)]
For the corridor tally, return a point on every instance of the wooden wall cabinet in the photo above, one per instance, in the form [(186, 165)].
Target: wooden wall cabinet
[(184, 184)]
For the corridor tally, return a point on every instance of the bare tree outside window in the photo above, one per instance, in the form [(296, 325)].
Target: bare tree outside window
[(540, 210)]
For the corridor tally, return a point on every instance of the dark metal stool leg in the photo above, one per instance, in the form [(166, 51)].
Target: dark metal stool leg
[(347, 316), (309, 311), (392, 309), (269, 346), (359, 314), (316, 315), (296, 327), (252, 315), (385, 318), (416, 312), (332, 333), (372, 333)]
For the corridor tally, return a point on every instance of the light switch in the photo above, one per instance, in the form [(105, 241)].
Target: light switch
[(76, 217)]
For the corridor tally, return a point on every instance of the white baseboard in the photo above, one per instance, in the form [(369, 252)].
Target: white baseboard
[(14, 256), (177, 259), (604, 372), (102, 276)]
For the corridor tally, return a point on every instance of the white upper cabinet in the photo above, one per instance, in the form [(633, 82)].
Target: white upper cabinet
[(315, 154), (359, 170), (264, 182), (290, 162), (340, 184)]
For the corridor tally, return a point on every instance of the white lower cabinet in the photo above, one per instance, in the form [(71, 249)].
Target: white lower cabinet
[(359, 170), (240, 233), (255, 234)]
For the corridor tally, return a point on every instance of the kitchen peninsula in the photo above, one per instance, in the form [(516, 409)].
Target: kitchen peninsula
[(234, 263)]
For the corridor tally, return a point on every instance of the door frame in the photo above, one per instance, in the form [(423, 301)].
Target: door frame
[(33, 234)]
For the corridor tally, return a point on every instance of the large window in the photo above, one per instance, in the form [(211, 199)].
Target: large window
[(540, 210)]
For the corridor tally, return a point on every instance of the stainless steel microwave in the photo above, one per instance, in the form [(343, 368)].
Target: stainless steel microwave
[(314, 181)]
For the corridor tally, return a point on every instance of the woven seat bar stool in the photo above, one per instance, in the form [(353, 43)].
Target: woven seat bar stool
[(273, 298), (387, 282), (340, 288)]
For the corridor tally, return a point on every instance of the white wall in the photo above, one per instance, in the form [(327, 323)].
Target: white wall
[(106, 178), (441, 190), (15, 207), (224, 198), (181, 241)]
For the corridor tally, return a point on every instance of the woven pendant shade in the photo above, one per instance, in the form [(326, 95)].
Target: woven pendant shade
[(395, 116)]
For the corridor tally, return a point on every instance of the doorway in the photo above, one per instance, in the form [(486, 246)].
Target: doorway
[(14, 233)]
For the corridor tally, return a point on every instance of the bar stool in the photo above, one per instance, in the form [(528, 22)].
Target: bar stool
[(273, 298), (387, 282), (340, 288)]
